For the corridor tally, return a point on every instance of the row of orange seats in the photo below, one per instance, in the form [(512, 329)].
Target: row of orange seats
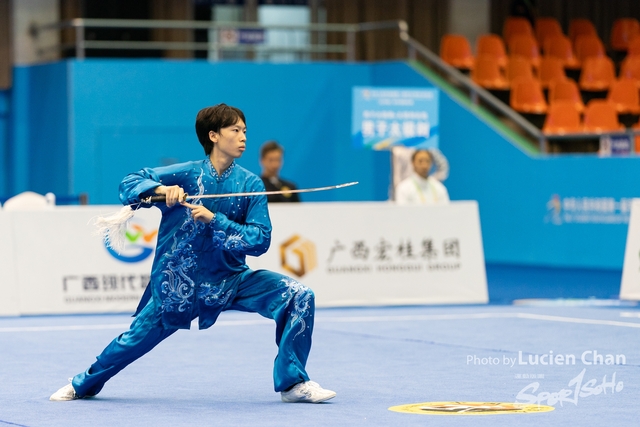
[(455, 50), (527, 96), (583, 42), (623, 30), (597, 74), (599, 116)]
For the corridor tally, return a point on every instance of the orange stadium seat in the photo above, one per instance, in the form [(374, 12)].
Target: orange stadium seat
[(581, 26), (630, 68), (492, 44), (547, 27), (624, 95), (598, 73), (551, 68), (622, 32), (565, 90), (527, 96), (600, 116), (516, 25), (455, 50), (589, 45), (519, 66), (487, 73), (561, 47), (634, 46), (562, 117), (527, 46)]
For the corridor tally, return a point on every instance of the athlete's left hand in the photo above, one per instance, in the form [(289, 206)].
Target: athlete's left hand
[(199, 212)]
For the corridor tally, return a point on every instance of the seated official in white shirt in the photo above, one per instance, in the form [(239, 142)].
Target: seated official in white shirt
[(420, 188)]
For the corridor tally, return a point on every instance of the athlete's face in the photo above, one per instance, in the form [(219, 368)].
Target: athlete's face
[(271, 163), (422, 164), (230, 141)]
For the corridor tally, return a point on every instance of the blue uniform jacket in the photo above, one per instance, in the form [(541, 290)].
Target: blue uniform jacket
[(194, 259)]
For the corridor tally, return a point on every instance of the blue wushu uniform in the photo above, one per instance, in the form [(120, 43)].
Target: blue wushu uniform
[(199, 271)]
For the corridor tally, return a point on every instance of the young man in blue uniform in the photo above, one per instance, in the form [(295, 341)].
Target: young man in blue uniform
[(199, 269)]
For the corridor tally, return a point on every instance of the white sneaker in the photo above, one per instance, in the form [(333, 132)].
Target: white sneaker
[(65, 393), (307, 392)]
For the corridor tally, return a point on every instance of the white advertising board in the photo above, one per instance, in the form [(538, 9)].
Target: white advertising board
[(9, 283), (348, 253), (64, 267), (355, 254), (630, 286)]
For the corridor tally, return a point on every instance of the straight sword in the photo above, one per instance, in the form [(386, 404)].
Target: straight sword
[(162, 199)]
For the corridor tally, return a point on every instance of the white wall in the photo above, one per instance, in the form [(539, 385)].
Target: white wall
[(470, 18), (24, 14)]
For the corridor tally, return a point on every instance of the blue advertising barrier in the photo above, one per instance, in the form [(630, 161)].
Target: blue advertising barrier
[(4, 139)]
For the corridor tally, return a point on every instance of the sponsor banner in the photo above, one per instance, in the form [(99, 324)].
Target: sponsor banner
[(587, 210), (64, 267), (234, 37), (9, 283), (382, 117), (615, 145), (380, 253), (348, 253), (630, 286)]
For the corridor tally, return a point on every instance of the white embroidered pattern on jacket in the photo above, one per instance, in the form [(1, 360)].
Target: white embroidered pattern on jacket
[(232, 242), (235, 243), (178, 287), (301, 296), (200, 186), (214, 294)]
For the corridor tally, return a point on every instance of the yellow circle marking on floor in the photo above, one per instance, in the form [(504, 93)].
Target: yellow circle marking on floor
[(470, 408)]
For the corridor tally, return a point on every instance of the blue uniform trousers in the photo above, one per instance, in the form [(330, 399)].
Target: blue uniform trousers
[(272, 295)]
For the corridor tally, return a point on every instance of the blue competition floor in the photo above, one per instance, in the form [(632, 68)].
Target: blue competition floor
[(374, 358)]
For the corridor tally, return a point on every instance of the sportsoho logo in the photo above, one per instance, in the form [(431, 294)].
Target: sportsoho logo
[(140, 244), (298, 255)]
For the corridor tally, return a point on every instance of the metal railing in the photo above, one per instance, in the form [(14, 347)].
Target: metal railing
[(216, 46), (81, 44)]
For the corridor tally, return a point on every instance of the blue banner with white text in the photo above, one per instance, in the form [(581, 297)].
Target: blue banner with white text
[(383, 117)]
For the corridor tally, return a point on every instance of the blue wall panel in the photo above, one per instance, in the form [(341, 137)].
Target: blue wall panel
[(4, 140), (38, 153), (18, 162), (129, 114)]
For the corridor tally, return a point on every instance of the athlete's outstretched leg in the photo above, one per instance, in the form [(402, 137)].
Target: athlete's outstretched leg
[(145, 332)]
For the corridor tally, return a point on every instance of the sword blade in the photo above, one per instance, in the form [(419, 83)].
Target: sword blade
[(267, 193)]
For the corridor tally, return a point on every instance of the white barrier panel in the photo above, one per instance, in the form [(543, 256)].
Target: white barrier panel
[(9, 284), (380, 253), (63, 267), (348, 253), (630, 287)]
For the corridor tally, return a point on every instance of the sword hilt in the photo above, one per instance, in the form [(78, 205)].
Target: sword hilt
[(160, 199)]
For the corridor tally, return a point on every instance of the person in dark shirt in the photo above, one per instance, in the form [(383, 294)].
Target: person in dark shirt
[(271, 154)]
